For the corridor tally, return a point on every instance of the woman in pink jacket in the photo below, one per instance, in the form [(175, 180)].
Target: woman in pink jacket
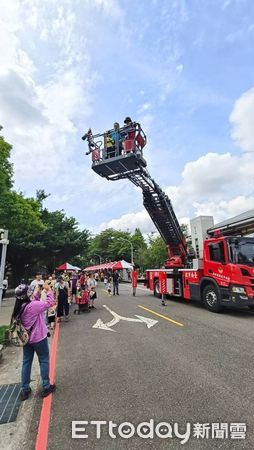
[(31, 312)]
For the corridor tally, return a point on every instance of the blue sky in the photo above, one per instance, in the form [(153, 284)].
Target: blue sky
[(184, 69)]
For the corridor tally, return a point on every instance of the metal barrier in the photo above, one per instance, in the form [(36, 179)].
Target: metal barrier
[(116, 143)]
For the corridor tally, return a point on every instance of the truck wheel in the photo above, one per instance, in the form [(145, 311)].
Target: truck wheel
[(211, 298), (251, 307), (156, 290)]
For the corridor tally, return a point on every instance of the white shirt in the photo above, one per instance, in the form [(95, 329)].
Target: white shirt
[(35, 283)]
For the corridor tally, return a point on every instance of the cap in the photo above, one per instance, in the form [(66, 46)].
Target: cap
[(127, 119)]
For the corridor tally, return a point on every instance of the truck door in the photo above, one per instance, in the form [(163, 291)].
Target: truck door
[(215, 265)]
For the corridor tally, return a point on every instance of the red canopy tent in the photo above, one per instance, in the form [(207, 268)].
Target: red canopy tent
[(115, 265), (100, 266), (68, 267)]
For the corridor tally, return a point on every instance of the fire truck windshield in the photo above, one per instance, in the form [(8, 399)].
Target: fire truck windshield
[(241, 250)]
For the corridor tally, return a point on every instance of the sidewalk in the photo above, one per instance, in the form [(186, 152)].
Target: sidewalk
[(6, 310), (14, 435)]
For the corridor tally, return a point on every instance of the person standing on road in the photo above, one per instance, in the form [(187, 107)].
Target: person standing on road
[(62, 295), (38, 279), (115, 278), (31, 313), (5, 287), (91, 284), (74, 280)]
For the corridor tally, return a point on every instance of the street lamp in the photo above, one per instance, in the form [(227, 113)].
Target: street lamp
[(125, 239)]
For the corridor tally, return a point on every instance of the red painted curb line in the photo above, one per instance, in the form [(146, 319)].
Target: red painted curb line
[(43, 429)]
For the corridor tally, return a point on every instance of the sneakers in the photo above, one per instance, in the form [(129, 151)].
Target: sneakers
[(49, 390), (25, 394)]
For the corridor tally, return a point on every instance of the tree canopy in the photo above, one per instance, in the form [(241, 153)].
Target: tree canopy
[(39, 239)]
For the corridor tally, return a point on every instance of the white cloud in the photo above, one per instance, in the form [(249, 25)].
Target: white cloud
[(242, 119), (179, 68), (146, 120), (39, 112), (145, 107), (225, 209), (130, 222), (215, 184)]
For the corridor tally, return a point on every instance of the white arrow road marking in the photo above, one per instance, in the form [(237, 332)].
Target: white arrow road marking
[(103, 326), (149, 322), (116, 318)]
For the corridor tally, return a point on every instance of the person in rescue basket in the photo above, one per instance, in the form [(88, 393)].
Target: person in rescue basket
[(117, 139), (31, 313)]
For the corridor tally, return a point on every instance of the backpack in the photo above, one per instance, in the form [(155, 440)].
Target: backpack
[(18, 334)]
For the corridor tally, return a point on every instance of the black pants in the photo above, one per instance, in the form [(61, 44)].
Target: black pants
[(115, 287), (63, 307)]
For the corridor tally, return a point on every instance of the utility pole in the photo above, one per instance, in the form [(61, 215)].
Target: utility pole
[(3, 245)]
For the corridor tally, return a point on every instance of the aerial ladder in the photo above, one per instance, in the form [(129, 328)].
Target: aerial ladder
[(125, 159)]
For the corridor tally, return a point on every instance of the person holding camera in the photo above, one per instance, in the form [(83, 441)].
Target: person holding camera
[(31, 313)]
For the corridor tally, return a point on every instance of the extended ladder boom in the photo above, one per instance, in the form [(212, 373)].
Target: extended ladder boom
[(160, 209), (127, 162)]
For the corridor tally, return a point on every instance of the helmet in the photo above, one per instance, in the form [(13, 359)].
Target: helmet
[(127, 120)]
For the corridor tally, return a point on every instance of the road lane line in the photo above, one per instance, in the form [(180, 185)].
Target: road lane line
[(179, 324), (43, 430)]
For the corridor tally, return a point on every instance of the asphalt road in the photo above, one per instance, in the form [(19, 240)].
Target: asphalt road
[(201, 372)]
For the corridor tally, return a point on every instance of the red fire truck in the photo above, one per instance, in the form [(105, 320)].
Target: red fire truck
[(224, 276)]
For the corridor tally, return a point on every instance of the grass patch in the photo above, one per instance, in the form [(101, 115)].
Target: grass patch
[(3, 329)]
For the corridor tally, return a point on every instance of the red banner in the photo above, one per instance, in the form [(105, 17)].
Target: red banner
[(163, 283), (134, 278)]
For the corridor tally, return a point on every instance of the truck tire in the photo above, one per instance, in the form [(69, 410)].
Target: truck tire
[(156, 290), (211, 298)]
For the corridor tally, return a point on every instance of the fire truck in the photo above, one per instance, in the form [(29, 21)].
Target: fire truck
[(223, 273)]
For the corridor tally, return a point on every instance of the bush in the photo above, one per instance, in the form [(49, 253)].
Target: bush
[(3, 330)]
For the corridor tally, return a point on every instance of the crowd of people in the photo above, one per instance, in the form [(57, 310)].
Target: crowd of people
[(114, 139), (43, 302)]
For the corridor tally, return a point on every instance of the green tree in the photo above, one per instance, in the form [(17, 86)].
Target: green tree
[(156, 254), (114, 245), (6, 169), (38, 238), (61, 240)]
